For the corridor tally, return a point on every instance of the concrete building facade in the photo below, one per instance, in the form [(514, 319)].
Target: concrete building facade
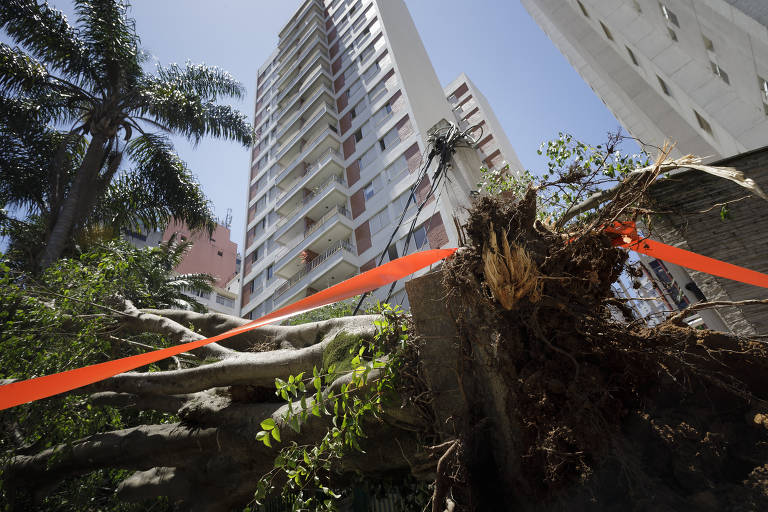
[(471, 108), (693, 71), (343, 110), (214, 254)]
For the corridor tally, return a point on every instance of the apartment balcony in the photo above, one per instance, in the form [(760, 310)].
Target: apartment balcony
[(307, 102), (296, 141), (312, 176), (310, 28), (289, 72), (336, 224), (320, 141), (337, 263), (298, 125), (319, 200), (306, 77), (294, 27), (320, 79)]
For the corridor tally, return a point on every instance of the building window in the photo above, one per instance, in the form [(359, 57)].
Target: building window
[(672, 34), (358, 135), (255, 255), (664, 86), (270, 272), (420, 237), (378, 221), (368, 191), (219, 253), (632, 56), (390, 139), (225, 301), (368, 157), (708, 43), (607, 32), (583, 9), (716, 69), (703, 124), (352, 113), (669, 15)]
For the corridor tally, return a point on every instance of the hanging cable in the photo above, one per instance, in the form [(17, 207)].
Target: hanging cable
[(442, 143)]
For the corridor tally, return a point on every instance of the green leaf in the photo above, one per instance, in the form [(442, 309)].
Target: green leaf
[(306, 458), (268, 424), (276, 434)]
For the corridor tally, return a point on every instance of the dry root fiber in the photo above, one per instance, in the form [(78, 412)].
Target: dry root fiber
[(571, 410), (509, 271)]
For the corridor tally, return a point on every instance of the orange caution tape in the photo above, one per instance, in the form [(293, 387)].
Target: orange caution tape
[(25, 391), (629, 238)]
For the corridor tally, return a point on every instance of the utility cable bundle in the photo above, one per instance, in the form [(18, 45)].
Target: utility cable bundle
[(441, 143)]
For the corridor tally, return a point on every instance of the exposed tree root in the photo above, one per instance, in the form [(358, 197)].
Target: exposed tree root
[(542, 403)]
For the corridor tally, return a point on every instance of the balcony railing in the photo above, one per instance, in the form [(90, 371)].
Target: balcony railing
[(315, 192), (317, 114), (339, 245), (283, 126), (324, 158), (309, 147), (316, 71), (338, 210), (288, 52)]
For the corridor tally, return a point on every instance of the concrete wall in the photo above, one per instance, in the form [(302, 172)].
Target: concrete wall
[(740, 239), (463, 87), (734, 109), (215, 254)]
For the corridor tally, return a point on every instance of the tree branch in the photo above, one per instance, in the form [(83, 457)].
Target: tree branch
[(686, 162), (254, 369), (298, 336), (170, 404), (678, 318), (147, 322)]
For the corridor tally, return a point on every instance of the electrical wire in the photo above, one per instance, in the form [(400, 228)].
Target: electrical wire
[(441, 143)]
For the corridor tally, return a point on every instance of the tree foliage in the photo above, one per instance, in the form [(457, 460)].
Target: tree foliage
[(61, 320), (84, 126)]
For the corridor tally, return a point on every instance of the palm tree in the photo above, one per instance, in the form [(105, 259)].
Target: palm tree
[(77, 107)]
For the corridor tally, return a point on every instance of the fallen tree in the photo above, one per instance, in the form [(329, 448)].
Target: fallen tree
[(513, 385)]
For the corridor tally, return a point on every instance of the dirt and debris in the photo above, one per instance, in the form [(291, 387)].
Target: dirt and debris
[(573, 410)]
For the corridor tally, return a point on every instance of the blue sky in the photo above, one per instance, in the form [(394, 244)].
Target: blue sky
[(529, 84)]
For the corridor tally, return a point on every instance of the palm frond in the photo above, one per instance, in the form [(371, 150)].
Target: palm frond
[(47, 34), (159, 188), (28, 149), (207, 82), (112, 40), (20, 72), (186, 113)]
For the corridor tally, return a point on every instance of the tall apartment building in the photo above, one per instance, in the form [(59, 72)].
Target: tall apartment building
[(471, 108), (694, 71), (343, 110)]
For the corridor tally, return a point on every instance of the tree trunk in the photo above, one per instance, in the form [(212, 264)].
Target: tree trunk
[(66, 217)]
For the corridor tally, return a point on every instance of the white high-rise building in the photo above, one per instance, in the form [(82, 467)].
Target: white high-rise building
[(472, 109), (343, 110), (692, 71)]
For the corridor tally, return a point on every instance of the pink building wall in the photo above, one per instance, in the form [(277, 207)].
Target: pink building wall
[(215, 255)]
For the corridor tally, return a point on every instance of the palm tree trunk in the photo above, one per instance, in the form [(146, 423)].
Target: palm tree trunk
[(98, 189), (65, 220)]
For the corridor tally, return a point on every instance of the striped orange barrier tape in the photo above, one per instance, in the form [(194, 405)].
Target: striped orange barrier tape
[(628, 237), (18, 393)]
